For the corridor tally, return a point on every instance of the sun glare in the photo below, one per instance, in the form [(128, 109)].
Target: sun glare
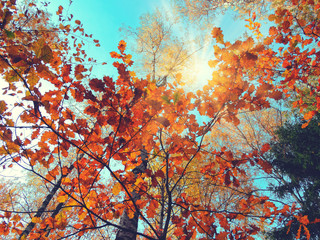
[(199, 72), (198, 38)]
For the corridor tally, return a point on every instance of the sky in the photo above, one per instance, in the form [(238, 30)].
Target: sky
[(104, 18)]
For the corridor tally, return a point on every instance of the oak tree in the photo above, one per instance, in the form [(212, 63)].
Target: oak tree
[(108, 147)]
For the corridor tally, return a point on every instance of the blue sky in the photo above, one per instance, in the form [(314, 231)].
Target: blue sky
[(103, 18)]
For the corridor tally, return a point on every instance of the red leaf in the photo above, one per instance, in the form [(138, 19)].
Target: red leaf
[(227, 179), (66, 69), (265, 147), (165, 122), (159, 173), (97, 85), (222, 236), (154, 181), (59, 10)]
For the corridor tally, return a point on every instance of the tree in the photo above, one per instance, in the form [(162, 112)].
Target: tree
[(295, 155), (88, 156), (200, 10), (159, 49)]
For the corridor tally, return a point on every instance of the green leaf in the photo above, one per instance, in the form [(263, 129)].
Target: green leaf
[(11, 76), (176, 97), (9, 34), (166, 99)]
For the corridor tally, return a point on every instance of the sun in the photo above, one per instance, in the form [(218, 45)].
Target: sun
[(197, 71), (198, 40), (200, 72)]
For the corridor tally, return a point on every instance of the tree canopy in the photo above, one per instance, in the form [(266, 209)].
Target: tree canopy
[(295, 155), (122, 157)]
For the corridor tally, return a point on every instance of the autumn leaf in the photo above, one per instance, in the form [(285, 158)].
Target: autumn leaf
[(306, 232), (151, 211), (222, 236), (266, 147), (116, 189), (36, 220), (122, 46), (310, 115), (59, 10), (62, 198), (97, 85), (3, 106), (305, 124), (217, 34), (273, 31), (165, 122)]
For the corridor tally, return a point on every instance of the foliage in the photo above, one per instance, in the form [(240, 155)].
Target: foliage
[(296, 157), (199, 10), (159, 48), (86, 139)]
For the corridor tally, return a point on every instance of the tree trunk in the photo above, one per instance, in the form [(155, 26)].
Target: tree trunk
[(44, 206), (130, 225)]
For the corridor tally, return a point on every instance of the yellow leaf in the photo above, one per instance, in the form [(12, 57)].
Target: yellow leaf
[(213, 63), (11, 76), (3, 107), (36, 220), (62, 199), (33, 78), (82, 215), (116, 189)]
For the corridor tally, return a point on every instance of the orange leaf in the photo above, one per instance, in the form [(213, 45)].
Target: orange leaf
[(78, 226), (62, 199), (310, 115), (59, 10), (122, 46), (36, 220), (217, 34), (273, 31), (299, 232), (304, 220), (116, 189), (151, 211), (213, 63), (306, 232), (305, 124)]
